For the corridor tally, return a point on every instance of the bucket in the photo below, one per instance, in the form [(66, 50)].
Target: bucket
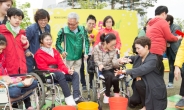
[(87, 106), (118, 103), (64, 108)]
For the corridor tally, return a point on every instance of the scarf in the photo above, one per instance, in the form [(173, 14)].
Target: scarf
[(48, 50), (15, 29)]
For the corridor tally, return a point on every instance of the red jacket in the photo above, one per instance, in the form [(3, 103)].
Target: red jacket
[(14, 52), (3, 70), (43, 60), (106, 31), (159, 33)]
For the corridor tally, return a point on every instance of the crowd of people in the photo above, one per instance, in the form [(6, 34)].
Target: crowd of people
[(23, 51)]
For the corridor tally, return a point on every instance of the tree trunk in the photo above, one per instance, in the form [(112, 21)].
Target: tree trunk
[(72, 4), (112, 4)]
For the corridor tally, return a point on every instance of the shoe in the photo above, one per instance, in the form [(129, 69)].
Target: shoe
[(180, 104), (84, 88), (121, 76), (101, 76), (70, 101), (106, 99), (81, 99), (170, 85)]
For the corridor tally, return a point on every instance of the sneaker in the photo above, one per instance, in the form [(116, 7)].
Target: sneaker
[(100, 75), (106, 99), (180, 104), (70, 101), (81, 99), (121, 76), (170, 85), (84, 88)]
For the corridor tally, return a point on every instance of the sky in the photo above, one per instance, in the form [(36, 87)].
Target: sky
[(175, 7)]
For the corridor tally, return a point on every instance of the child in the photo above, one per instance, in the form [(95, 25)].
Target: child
[(14, 52), (17, 42)]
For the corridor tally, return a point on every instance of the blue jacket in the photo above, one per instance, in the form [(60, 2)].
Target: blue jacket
[(33, 35)]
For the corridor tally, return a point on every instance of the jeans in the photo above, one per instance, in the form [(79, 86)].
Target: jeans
[(171, 72), (18, 91), (83, 80), (62, 80), (30, 63)]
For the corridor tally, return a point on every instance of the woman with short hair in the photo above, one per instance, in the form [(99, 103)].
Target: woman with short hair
[(148, 85), (33, 33)]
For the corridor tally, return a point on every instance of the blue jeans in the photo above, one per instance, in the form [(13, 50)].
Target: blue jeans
[(62, 80), (18, 91)]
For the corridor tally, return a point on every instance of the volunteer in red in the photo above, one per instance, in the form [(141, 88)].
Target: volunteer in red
[(108, 23), (158, 31)]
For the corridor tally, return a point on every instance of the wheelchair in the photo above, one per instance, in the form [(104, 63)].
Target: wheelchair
[(6, 102), (97, 90), (51, 87)]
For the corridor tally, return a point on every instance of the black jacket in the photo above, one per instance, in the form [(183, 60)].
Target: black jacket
[(156, 93)]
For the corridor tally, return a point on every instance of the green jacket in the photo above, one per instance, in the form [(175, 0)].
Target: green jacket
[(74, 43)]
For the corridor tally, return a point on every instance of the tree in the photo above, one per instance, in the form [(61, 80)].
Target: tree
[(180, 22), (26, 21), (91, 4), (138, 5)]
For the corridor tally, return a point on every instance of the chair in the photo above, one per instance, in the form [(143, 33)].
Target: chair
[(50, 86), (6, 101), (97, 90)]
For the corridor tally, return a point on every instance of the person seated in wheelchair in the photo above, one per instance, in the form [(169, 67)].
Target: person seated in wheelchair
[(46, 57), (105, 57), (148, 85), (17, 86)]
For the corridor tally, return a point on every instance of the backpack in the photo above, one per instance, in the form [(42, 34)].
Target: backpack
[(91, 65)]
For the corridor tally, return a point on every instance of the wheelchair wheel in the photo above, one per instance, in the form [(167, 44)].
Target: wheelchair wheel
[(48, 108), (99, 105), (94, 91), (40, 90)]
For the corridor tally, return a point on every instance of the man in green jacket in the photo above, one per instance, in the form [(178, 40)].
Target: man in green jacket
[(75, 40)]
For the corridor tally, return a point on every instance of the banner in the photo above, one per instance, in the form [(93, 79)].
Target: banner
[(125, 23)]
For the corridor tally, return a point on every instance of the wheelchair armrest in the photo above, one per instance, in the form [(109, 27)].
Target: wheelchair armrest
[(16, 75), (42, 71), (3, 84)]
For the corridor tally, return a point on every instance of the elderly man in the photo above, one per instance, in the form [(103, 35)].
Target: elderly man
[(75, 41)]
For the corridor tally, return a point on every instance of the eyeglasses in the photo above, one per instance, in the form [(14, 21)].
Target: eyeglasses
[(72, 24)]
